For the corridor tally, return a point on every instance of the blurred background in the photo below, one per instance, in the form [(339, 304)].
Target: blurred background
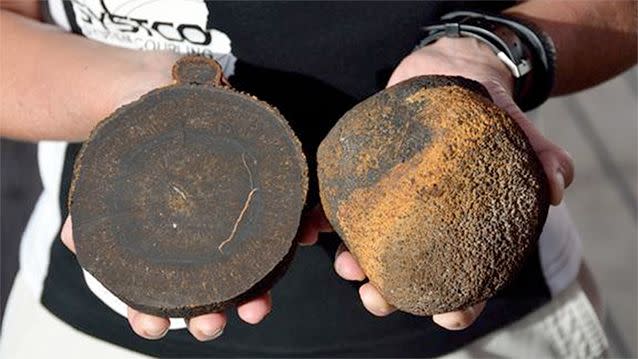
[(599, 127)]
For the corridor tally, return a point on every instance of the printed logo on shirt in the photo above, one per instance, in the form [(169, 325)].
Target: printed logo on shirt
[(179, 26)]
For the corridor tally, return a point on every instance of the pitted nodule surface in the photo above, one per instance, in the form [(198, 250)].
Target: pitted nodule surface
[(436, 191), (189, 199)]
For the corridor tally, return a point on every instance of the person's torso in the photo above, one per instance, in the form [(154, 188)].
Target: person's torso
[(313, 61)]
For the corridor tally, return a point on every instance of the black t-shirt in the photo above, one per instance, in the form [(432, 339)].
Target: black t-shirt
[(313, 61)]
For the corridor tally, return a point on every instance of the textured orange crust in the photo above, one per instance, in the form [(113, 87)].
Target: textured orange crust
[(436, 191)]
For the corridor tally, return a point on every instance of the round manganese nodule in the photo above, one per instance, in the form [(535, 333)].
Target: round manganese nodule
[(188, 200), (436, 192)]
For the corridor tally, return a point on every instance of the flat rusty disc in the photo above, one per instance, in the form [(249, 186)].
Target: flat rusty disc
[(436, 192), (188, 199)]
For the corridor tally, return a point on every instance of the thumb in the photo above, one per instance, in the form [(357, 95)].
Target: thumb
[(557, 163), (67, 234), (313, 223)]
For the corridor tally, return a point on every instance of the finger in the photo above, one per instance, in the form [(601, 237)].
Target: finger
[(374, 302), (557, 163), (207, 326), (255, 310), (558, 166), (147, 326), (312, 223), (346, 266), (460, 319), (67, 234)]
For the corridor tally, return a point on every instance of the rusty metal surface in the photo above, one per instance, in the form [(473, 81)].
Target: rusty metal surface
[(188, 199), (436, 191)]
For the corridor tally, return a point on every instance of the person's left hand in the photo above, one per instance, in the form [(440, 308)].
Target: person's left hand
[(203, 327), (471, 59)]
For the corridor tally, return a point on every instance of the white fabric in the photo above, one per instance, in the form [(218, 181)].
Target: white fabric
[(567, 327), (56, 9), (44, 223), (117, 305), (30, 331), (560, 248), (157, 27)]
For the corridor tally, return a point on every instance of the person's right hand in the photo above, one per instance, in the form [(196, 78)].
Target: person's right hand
[(204, 327)]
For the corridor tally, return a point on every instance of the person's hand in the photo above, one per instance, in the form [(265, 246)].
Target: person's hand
[(459, 57), (141, 73), (204, 327), (145, 71)]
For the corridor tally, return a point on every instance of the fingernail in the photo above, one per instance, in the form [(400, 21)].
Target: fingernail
[(451, 324), (156, 332), (378, 309), (559, 179), (303, 239), (382, 310), (338, 266), (471, 311), (213, 334), (376, 305)]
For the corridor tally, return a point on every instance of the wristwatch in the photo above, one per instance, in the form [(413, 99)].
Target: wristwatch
[(525, 50)]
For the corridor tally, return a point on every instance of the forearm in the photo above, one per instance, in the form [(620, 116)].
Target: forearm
[(56, 85), (595, 40)]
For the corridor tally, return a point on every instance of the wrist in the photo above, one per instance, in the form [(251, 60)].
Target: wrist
[(111, 78), (522, 46), (147, 71), (469, 57)]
